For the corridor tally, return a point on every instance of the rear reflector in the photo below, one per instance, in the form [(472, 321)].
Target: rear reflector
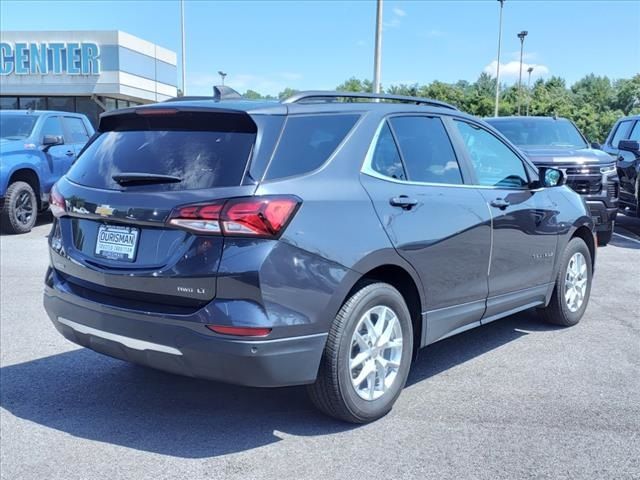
[(240, 331), (264, 217)]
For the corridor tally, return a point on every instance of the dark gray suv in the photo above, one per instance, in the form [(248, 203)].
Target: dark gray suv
[(320, 241)]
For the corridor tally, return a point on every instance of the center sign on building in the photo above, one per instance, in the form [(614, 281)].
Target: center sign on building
[(83, 71)]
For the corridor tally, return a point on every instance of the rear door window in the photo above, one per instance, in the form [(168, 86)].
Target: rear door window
[(426, 150), (203, 150), (307, 142)]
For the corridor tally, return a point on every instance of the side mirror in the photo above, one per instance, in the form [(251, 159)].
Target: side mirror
[(632, 146), (551, 177), (596, 145), (51, 141)]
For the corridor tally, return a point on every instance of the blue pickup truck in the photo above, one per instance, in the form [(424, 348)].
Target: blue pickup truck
[(36, 149)]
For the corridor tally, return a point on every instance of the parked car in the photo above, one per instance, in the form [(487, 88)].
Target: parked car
[(36, 149), (623, 145), (313, 241), (557, 142)]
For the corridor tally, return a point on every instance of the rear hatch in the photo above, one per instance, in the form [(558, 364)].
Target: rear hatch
[(113, 241)]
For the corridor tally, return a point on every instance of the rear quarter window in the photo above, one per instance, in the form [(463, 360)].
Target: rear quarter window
[(307, 142)]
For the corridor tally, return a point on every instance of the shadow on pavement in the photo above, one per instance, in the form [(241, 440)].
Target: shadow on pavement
[(95, 397), (622, 242)]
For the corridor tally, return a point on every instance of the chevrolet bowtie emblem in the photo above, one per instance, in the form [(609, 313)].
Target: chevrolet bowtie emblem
[(104, 210)]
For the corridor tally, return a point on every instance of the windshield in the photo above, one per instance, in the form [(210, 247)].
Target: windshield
[(559, 133), (16, 126)]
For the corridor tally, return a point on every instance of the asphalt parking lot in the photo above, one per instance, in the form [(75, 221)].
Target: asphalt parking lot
[(514, 399)]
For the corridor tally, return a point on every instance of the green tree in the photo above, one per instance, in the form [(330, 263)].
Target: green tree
[(252, 95), (286, 93), (355, 85), (627, 95)]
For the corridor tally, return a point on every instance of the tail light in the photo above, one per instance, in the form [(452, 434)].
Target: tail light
[(57, 203), (263, 217)]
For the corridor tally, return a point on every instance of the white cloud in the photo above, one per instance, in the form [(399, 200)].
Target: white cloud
[(393, 23), (510, 71), (399, 12), (396, 15), (267, 84), (530, 56)]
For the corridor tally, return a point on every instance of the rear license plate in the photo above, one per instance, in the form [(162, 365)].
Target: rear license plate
[(117, 242)]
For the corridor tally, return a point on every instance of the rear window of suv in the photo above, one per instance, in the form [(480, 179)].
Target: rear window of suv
[(203, 150), (307, 142)]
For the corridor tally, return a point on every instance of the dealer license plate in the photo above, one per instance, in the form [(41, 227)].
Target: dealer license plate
[(117, 242)]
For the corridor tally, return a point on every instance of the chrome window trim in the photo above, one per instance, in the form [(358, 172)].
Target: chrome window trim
[(368, 170)]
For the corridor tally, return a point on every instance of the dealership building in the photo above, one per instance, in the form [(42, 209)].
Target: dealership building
[(83, 71)]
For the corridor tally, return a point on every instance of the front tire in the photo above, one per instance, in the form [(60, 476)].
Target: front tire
[(367, 357), (20, 208), (573, 286)]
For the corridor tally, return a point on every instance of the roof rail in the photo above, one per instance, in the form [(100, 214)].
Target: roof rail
[(331, 96)]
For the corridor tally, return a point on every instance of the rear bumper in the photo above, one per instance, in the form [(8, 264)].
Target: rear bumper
[(603, 214), (184, 347)]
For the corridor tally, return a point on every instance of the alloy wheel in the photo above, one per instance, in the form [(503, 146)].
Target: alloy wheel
[(24, 208), (575, 285), (376, 352)]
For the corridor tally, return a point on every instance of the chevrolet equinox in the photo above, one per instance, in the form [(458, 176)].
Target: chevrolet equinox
[(318, 241)]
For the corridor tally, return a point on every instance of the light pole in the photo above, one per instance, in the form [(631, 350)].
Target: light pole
[(521, 36), (529, 70), (184, 75), (495, 112), (378, 48), (222, 76)]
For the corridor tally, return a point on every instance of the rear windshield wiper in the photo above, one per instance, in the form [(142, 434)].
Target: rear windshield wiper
[(136, 178)]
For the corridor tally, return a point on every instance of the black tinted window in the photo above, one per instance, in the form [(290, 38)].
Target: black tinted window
[(620, 134), (76, 129), (386, 159), (495, 164), (307, 142), (202, 159), (559, 133), (52, 126), (426, 150)]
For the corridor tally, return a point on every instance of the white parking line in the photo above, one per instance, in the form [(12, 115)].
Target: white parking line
[(626, 238)]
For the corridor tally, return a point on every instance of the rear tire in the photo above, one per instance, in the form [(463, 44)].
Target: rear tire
[(356, 350), (573, 286), (20, 209)]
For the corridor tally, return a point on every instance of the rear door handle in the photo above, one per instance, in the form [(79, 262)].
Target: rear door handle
[(404, 202), (500, 203)]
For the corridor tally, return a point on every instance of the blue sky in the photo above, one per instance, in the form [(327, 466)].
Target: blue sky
[(270, 45)]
